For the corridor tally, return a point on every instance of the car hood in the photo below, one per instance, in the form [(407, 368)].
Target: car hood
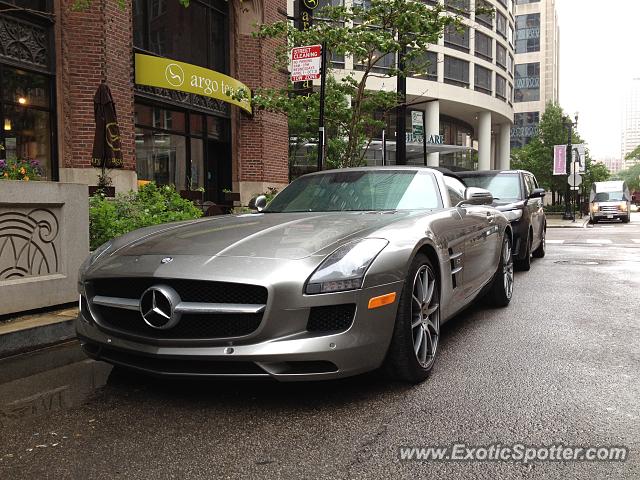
[(267, 235)]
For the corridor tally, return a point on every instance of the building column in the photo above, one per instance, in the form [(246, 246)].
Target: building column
[(504, 160), (484, 141), (432, 121)]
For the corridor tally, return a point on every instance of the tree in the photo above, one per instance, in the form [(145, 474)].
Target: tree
[(631, 175), (371, 35), (634, 154), (537, 155)]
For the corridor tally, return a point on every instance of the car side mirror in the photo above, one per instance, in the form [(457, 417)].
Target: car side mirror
[(538, 193), (476, 196), (258, 203)]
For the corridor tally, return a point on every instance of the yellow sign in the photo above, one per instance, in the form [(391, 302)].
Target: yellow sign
[(184, 77)]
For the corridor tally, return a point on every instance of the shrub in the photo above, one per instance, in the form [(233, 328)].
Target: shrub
[(150, 205)]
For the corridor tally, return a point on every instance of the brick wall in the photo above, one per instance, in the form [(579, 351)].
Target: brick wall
[(96, 43), (263, 139)]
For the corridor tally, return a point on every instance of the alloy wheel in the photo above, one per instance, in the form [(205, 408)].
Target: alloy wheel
[(507, 268), (425, 316)]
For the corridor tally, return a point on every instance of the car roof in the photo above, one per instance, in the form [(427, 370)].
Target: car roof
[(486, 173)]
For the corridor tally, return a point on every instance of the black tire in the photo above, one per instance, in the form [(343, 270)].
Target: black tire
[(402, 361), (524, 264), (542, 248), (626, 219), (501, 289), (594, 221)]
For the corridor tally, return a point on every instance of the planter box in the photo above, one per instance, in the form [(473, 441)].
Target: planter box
[(231, 197), (108, 191), (44, 237), (193, 195)]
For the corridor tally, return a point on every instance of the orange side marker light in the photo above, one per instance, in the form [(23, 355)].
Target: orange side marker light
[(382, 300)]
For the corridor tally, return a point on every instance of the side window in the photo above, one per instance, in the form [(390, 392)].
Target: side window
[(531, 184), (527, 186), (455, 189)]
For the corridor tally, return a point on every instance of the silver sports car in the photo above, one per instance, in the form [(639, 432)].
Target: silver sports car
[(345, 271)]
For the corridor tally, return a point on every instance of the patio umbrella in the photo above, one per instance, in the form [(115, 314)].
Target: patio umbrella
[(107, 151)]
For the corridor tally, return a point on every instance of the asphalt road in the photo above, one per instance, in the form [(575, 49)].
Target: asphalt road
[(560, 365)]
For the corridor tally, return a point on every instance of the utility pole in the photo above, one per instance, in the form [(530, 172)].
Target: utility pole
[(323, 81), (401, 111), (568, 214)]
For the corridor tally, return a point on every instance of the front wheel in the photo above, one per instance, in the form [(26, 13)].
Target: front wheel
[(501, 288), (626, 219), (524, 264), (416, 334)]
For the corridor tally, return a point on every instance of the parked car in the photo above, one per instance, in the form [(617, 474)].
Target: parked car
[(609, 200), (516, 194), (343, 272)]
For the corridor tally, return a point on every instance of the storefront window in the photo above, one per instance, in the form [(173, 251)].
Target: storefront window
[(527, 78), (528, 33), (161, 157), (26, 117)]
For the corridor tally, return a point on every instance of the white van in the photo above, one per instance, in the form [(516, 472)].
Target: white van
[(609, 200)]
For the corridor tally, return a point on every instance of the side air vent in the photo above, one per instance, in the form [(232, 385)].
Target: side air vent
[(455, 259)]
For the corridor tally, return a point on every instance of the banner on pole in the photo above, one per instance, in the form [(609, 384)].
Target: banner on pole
[(560, 160)]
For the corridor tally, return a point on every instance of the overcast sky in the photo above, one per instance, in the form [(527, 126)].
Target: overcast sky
[(599, 54)]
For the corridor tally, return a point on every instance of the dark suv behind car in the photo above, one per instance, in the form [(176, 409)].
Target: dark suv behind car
[(517, 195)]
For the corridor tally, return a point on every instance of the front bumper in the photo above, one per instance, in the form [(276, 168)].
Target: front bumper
[(294, 356)]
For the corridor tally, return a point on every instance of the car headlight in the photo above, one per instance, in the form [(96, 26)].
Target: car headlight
[(594, 207), (622, 206), (513, 215), (344, 269)]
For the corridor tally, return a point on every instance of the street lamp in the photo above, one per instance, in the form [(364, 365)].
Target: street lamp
[(568, 214)]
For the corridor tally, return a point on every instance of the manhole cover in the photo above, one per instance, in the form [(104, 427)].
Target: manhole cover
[(577, 262)]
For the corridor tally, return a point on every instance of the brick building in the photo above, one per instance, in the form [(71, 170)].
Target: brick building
[(52, 60)]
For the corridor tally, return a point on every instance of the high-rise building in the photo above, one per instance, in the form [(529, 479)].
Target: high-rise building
[(613, 164), (631, 121), (537, 48)]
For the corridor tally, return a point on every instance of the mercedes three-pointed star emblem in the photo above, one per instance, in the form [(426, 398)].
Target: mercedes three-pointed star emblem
[(158, 307)]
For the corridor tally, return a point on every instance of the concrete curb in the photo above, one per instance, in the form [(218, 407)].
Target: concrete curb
[(31, 333)]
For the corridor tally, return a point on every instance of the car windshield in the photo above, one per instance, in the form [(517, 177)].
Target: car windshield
[(609, 197), (503, 186), (358, 190)]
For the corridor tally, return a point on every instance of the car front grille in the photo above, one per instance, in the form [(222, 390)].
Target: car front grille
[(332, 318), (192, 325), (189, 290), (609, 209)]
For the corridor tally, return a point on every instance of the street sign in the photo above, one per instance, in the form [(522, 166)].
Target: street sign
[(575, 180), (305, 63)]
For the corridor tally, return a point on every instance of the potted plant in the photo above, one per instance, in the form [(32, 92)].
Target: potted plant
[(230, 196), (195, 195), (104, 186)]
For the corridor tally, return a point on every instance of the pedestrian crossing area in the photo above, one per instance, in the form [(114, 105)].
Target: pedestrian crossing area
[(595, 241)]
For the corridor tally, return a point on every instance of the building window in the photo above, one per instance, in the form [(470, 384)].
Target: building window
[(484, 46), (510, 35), (384, 63), (337, 61), (196, 35), (510, 65), (456, 71), (503, 2), (486, 18), (525, 127), (426, 66), (501, 24), (457, 38), (501, 87), (527, 79), (501, 55), (482, 79), (528, 33), (459, 6)]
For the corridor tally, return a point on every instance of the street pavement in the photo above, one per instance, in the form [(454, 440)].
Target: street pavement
[(561, 364)]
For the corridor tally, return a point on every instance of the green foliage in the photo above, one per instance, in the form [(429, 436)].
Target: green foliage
[(631, 175), (352, 112), (537, 155), (635, 154), (150, 205)]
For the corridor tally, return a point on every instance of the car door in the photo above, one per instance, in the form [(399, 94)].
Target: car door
[(476, 222), (534, 207)]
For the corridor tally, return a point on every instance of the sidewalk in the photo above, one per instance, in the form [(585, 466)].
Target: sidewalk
[(558, 222), (35, 330)]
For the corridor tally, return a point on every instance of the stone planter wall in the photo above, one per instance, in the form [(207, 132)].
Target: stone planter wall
[(44, 237)]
